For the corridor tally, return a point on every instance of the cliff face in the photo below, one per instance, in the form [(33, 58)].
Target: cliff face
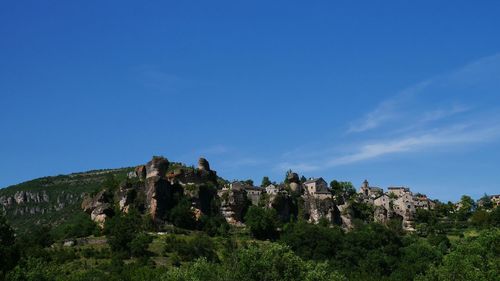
[(315, 209), (234, 202)]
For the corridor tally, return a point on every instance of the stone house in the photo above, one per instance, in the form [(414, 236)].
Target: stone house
[(369, 193), (495, 199), (383, 201), (272, 189), (398, 191), (253, 194), (405, 207), (421, 202), (317, 187)]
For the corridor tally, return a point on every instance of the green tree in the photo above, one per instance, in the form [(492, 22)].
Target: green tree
[(121, 230), (466, 207), (416, 258), (322, 272), (262, 222), (215, 225), (248, 182), (265, 181), (191, 248), (480, 218), (342, 191), (182, 215), (303, 179), (139, 245), (473, 259), (8, 250), (267, 262), (310, 241), (486, 202)]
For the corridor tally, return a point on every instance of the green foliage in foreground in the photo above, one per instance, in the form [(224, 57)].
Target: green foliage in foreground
[(262, 222), (302, 252), (267, 262), (473, 259), (8, 251)]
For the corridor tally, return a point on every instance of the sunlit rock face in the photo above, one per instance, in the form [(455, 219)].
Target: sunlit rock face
[(316, 208), (99, 207), (157, 167), (233, 204)]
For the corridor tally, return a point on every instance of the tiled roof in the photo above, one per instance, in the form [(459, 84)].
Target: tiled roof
[(314, 180)]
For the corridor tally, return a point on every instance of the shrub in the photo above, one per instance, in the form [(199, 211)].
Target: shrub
[(263, 223), (182, 215), (191, 248), (121, 230), (139, 245)]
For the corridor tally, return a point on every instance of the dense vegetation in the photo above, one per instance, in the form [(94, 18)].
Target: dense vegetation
[(449, 243)]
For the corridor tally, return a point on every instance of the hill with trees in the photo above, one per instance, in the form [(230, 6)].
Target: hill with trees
[(168, 221)]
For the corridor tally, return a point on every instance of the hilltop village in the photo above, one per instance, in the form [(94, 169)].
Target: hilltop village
[(313, 199), (395, 202), (164, 220)]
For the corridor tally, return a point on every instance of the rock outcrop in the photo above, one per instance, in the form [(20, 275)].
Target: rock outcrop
[(157, 167), (285, 206), (294, 182), (315, 209), (190, 176), (233, 204), (153, 190), (203, 165), (99, 207)]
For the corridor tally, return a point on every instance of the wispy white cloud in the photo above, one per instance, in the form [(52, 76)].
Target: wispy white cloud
[(484, 71), (439, 113), (386, 110), (411, 143), (441, 137)]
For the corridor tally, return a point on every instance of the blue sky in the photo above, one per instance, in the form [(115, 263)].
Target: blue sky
[(397, 92)]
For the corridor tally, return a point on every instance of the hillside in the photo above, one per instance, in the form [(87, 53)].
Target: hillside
[(165, 221), (52, 200)]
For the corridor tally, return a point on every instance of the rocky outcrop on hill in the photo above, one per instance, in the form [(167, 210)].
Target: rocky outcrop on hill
[(157, 167), (154, 189), (24, 197), (233, 204), (315, 208), (285, 206), (294, 182), (99, 207), (203, 165), (189, 176)]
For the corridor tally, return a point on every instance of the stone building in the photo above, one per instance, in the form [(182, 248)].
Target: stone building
[(254, 193), (495, 199), (369, 193), (398, 191), (422, 202), (317, 187), (272, 189), (383, 201), (233, 203), (405, 207)]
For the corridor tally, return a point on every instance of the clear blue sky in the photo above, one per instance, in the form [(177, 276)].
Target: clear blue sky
[(398, 92)]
